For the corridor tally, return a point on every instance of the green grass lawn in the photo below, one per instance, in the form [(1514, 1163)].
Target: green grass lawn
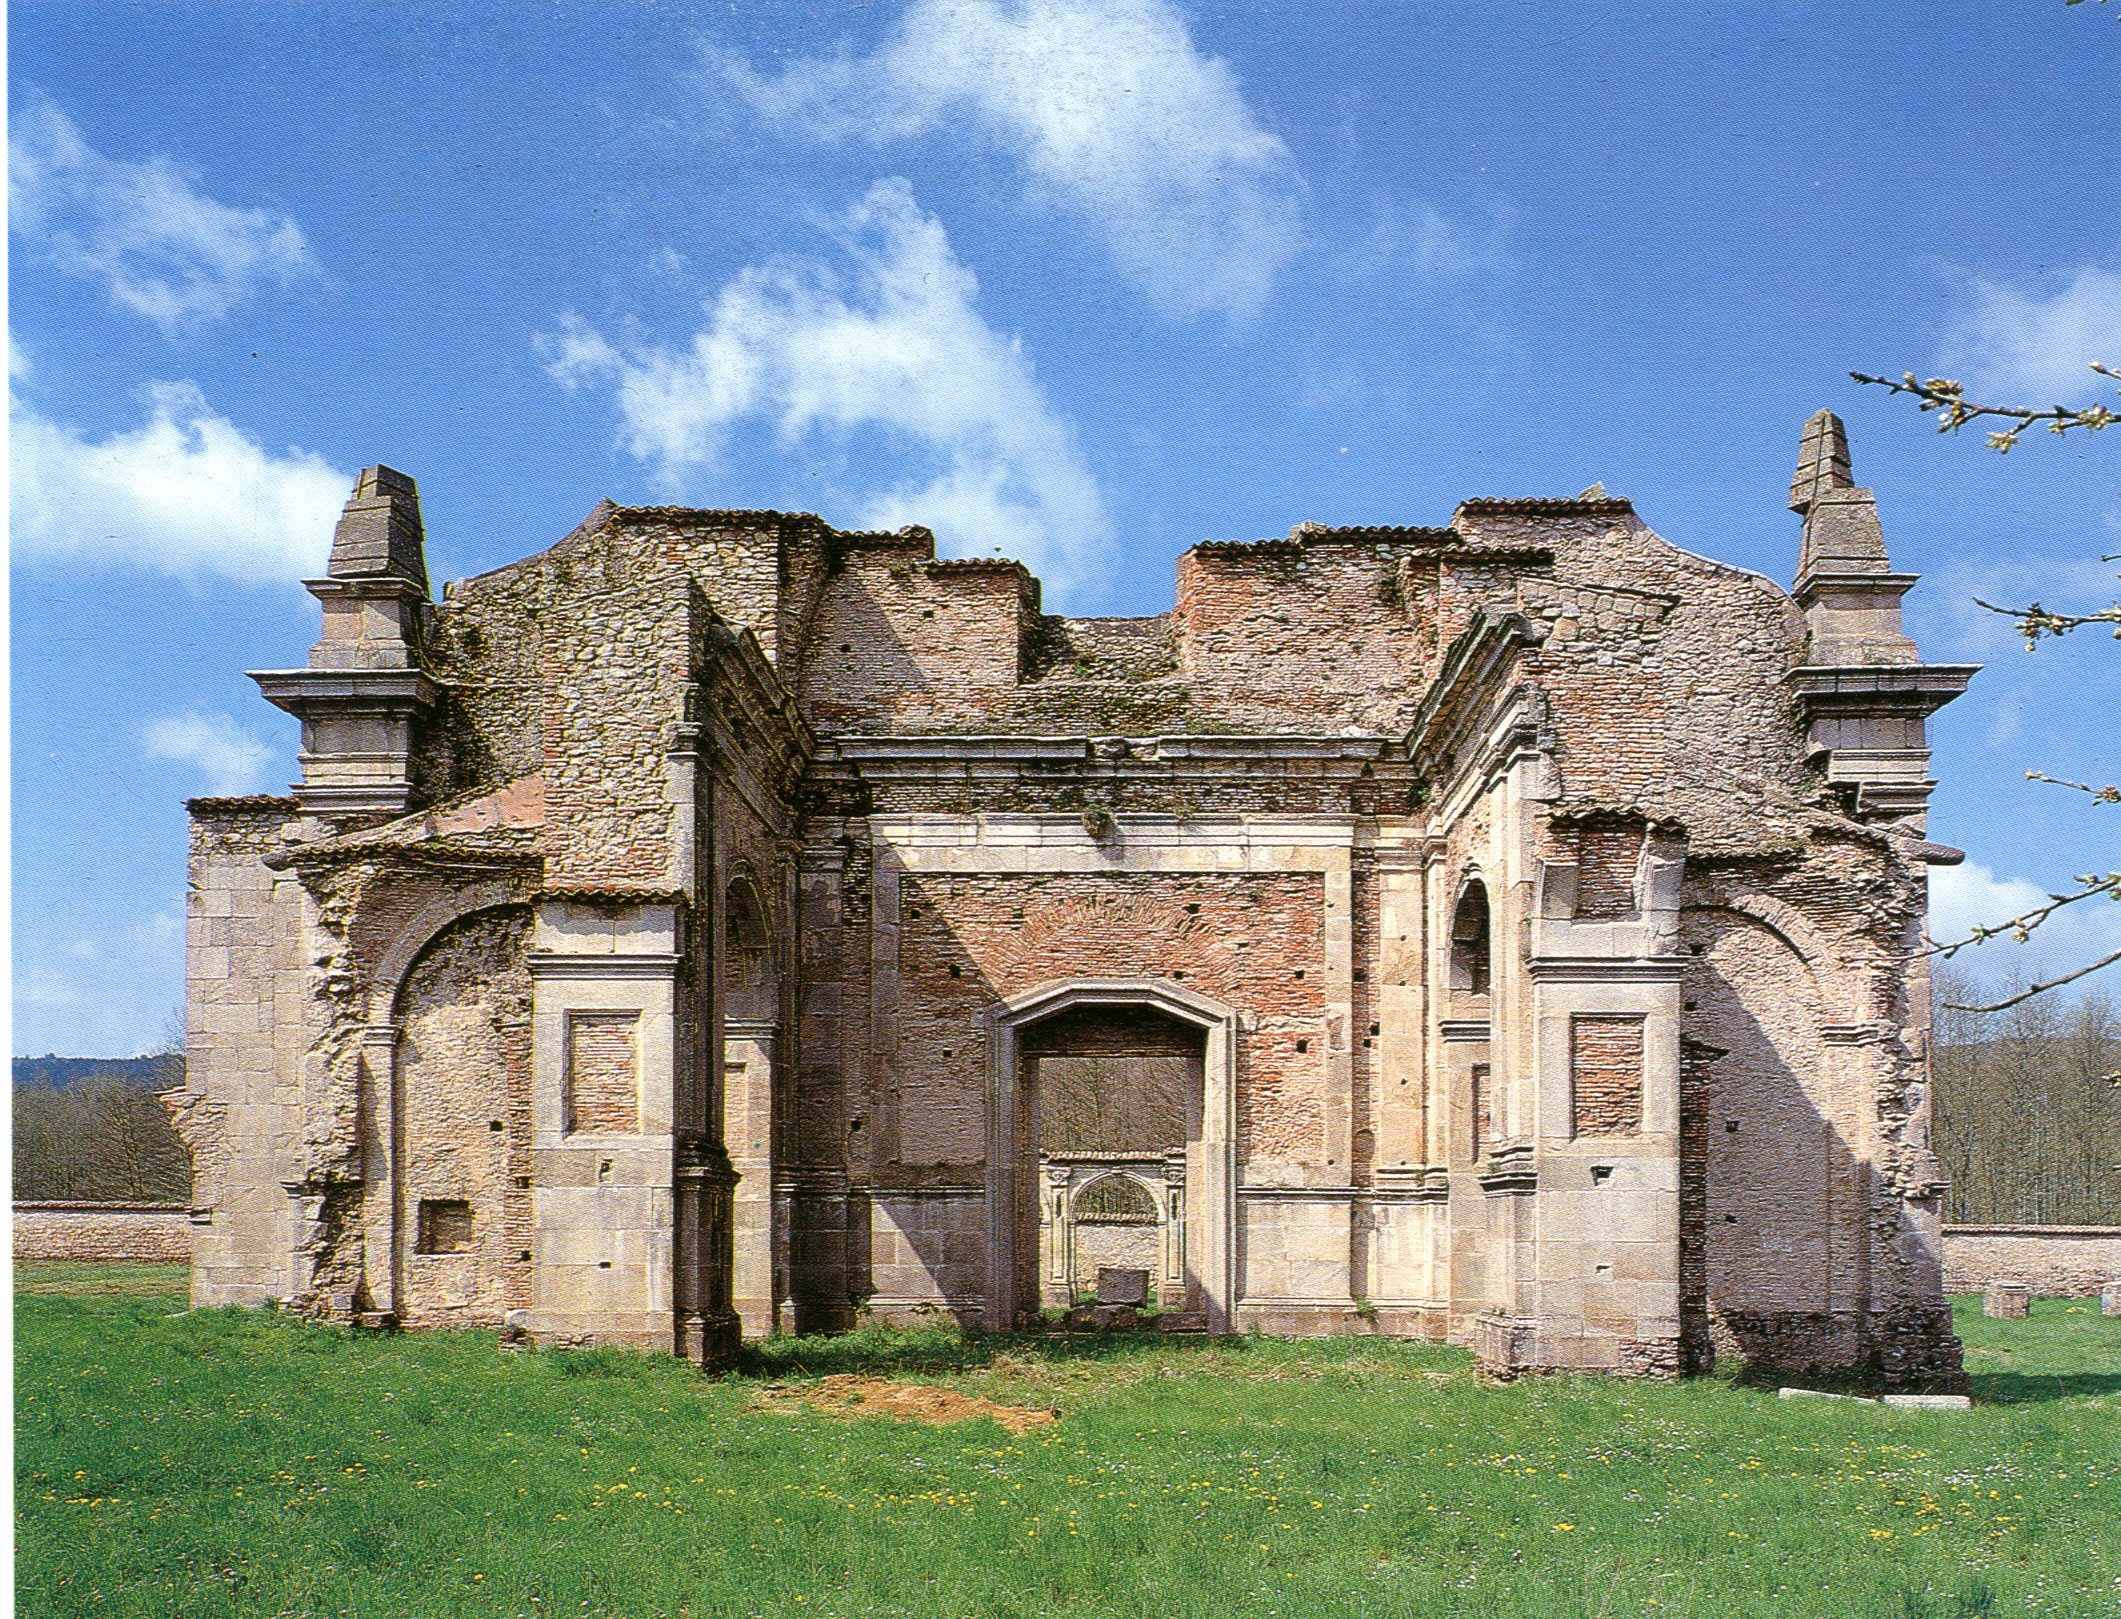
[(225, 1462)]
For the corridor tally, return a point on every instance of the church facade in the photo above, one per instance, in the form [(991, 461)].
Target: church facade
[(719, 924)]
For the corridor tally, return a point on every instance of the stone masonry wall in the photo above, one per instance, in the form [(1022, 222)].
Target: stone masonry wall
[(250, 1019), (2073, 1261), (102, 1233), (575, 663)]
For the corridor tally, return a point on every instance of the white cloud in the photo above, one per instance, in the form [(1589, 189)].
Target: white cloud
[(894, 343), (1412, 235), (1965, 896), (161, 247), (229, 757), (187, 493), (1115, 116), (2020, 348)]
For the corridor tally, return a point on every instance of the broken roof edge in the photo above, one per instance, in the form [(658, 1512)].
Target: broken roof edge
[(1545, 506), (244, 804)]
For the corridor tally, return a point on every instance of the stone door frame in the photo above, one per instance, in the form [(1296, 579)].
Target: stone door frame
[(1212, 1181)]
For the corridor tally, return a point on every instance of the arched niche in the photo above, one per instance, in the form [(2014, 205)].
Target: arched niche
[(750, 982), (460, 1121), (1210, 1155), (1472, 957)]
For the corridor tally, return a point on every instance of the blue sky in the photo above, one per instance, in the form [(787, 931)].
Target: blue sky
[(1084, 281)]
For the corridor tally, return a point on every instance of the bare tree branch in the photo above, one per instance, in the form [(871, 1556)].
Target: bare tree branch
[(1947, 400), (2042, 987), (2099, 795), (2020, 926)]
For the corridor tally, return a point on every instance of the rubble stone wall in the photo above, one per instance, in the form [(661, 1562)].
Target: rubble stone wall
[(2072, 1261), (101, 1233), (464, 1084)]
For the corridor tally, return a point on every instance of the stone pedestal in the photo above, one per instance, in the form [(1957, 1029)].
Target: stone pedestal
[(2110, 1299), (2007, 1301), (1504, 1345)]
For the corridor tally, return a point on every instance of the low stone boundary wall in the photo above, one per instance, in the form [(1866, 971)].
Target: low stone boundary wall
[(102, 1231), (2071, 1260)]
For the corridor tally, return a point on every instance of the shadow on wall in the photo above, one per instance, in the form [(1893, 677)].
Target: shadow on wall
[(965, 943), (1775, 1204)]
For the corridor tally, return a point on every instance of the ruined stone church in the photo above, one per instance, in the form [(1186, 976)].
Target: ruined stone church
[(719, 924)]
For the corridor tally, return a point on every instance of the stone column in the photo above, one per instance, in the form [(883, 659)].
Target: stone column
[(1056, 1238), (383, 1242), (1171, 1287), (747, 1128)]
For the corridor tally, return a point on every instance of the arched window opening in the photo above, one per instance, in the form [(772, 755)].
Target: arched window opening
[(1471, 934), (1115, 1200)]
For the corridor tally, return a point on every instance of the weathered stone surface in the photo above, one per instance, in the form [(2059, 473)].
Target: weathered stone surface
[(2006, 1301), (682, 932), (1119, 1284)]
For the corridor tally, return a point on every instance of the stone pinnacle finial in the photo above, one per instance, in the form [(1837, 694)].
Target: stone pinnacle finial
[(1822, 461), (380, 534)]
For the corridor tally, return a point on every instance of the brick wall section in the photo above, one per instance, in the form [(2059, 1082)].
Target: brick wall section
[(102, 1232), (1277, 636), (904, 643), (1606, 856), (1605, 1075), (603, 1073), (1251, 942), (2072, 1261)]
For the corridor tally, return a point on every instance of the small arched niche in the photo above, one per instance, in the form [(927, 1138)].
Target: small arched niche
[(748, 979), (1472, 943)]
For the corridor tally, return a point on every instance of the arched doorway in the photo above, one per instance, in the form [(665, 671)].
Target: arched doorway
[(754, 1114), (1116, 1058)]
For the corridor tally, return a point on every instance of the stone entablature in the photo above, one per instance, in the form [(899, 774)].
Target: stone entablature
[(1539, 901)]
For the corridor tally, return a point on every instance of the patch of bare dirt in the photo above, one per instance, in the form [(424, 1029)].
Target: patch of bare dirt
[(851, 1395)]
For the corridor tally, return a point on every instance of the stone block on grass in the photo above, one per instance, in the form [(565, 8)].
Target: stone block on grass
[(2007, 1301)]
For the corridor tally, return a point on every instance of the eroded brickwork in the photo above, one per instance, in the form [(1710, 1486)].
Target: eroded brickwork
[(464, 1074), (965, 943)]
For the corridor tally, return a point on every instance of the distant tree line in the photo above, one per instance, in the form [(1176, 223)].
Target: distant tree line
[(2027, 1108), (2027, 1114), (101, 1135)]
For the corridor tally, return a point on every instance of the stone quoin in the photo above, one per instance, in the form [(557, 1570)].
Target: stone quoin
[(717, 924)]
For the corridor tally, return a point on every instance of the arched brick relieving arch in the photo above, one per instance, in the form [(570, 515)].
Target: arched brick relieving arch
[(1782, 919), (1215, 1173), (427, 925)]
